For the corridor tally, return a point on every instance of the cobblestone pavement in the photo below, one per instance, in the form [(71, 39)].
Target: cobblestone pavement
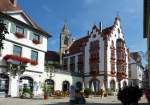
[(110, 100)]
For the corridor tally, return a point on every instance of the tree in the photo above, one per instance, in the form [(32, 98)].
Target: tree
[(3, 31)]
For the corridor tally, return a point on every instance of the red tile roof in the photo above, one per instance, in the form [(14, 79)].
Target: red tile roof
[(6, 5), (78, 44), (52, 56), (107, 30)]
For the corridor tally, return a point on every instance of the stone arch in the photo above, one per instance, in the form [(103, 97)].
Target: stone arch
[(113, 85), (4, 84), (65, 85), (124, 84), (94, 84), (51, 83), (26, 82)]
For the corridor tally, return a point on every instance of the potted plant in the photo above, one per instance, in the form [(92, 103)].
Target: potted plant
[(45, 90), (87, 92), (26, 93), (109, 91)]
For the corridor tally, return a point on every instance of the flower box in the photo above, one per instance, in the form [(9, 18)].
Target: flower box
[(33, 62), (19, 35), (113, 73), (17, 58), (121, 74), (36, 41)]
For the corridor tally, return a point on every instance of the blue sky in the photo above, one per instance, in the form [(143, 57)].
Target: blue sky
[(82, 14)]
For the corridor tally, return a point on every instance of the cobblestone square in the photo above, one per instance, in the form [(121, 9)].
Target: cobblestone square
[(110, 100)]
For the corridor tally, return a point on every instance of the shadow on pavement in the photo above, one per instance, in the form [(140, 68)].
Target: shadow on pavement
[(66, 103)]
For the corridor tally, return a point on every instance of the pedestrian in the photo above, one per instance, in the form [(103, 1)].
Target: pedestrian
[(72, 95)]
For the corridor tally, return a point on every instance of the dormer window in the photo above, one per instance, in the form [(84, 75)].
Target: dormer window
[(19, 32)]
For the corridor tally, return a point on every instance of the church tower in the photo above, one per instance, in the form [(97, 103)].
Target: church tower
[(64, 40)]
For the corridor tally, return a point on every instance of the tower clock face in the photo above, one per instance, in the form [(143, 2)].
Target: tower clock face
[(66, 40)]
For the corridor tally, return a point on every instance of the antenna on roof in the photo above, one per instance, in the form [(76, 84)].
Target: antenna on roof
[(117, 16), (100, 26), (88, 33)]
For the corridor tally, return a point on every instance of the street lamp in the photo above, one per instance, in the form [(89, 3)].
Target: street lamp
[(15, 69)]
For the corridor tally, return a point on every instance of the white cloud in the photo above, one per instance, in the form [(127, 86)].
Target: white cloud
[(46, 8)]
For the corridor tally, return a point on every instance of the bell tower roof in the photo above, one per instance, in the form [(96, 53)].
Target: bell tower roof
[(65, 28)]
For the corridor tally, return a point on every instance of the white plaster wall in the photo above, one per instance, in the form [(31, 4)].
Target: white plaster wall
[(60, 77), (86, 59), (27, 46), (112, 78), (133, 71), (100, 78), (26, 41), (101, 55)]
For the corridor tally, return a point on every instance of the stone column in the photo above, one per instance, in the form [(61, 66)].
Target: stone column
[(13, 86)]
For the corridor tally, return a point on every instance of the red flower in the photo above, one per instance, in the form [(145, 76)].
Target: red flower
[(33, 62), (19, 34), (36, 41), (17, 58)]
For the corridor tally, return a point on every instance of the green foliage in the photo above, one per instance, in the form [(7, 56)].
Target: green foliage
[(87, 91), (26, 93), (109, 91), (3, 31), (53, 66), (47, 89), (100, 92)]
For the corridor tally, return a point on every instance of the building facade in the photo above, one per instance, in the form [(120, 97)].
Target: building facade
[(23, 56), (147, 32), (100, 58), (136, 72)]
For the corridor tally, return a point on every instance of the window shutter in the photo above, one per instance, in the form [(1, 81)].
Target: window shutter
[(41, 39), (6, 22), (25, 33), (31, 35), (13, 27)]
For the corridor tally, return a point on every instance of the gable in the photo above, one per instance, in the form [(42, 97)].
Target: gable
[(20, 17)]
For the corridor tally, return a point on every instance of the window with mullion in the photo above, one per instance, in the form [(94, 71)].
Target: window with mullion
[(34, 55), (17, 50), (36, 37), (19, 29)]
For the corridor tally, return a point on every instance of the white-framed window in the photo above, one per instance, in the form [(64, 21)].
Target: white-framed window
[(36, 37), (17, 50), (34, 55), (19, 29)]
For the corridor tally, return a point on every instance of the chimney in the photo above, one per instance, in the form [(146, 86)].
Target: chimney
[(14, 2)]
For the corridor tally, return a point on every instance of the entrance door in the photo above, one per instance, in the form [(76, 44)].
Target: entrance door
[(65, 86), (4, 85)]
